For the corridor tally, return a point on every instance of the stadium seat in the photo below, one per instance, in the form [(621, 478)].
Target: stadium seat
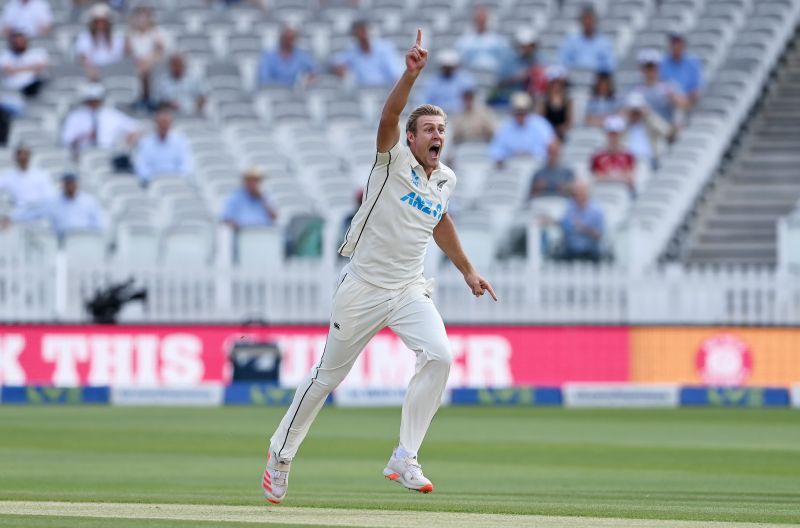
[(260, 249), (85, 249)]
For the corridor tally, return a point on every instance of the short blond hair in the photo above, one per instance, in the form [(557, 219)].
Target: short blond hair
[(424, 110)]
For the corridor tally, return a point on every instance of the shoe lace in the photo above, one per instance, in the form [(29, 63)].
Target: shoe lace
[(280, 478), (414, 468)]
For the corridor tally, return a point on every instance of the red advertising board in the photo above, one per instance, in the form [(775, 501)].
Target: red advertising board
[(189, 355)]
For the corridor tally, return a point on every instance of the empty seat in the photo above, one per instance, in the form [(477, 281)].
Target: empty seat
[(85, 248), (186, 247), (259, 248)]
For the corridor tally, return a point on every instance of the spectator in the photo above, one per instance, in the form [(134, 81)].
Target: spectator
[(445, 89), (553, 179), (663, 98), (249, 206), (614, 163), (371, 61), (476, 122), (183, 93), (99, 45), (646, 131), (522, 134), (523, 71), (603, 101), (73, 210), (93, 124), (582, 225), (146, 43), (682, 69), (24, 69), (587, 49), (482, 49), (163, 152), (286, 65), (31, 190), (556, 106), (31, 17)]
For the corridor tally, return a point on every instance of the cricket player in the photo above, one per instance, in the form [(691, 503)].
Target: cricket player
[(404, 203)]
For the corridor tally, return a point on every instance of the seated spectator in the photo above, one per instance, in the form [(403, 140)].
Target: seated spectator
[(587, 49), (603, 101), (92, 124), (521, 72), (73, 210), (614, 163), (646, 131), (249, 206), (482, 49), (31, 189), (146, 43), (582, 226), (663, 98), (682, 69), (445, 89), (476, 122), (24, 69), (99, 45), (371, 61), (286, 65), (163, 152), (31, 17), (522, 134), (553, 179), (556, 105), (183, 93)]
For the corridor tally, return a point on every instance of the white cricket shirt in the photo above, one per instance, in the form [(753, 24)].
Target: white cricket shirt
[(390, 232)]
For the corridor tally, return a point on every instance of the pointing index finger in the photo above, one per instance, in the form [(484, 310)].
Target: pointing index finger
[(491, 291), (419, 37)]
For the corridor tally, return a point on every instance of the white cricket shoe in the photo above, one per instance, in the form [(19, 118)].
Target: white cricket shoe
[(408, 472), (275, 481)]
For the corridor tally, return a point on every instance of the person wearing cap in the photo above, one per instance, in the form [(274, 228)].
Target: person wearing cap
[(556, 105), (92, 124), (646, 131), (371, 61), (521, 71), (663, 98), (31, 17), (582, 226), (682, 69), (286, 65), (146, 43), (445, 89), (587, 49), (74, 210), (99, 45), (476, 121), (163, 152), (482, 49), (614, 163), (249, 206), (24, 69), (522, 134), (184, 93), (30, 189)]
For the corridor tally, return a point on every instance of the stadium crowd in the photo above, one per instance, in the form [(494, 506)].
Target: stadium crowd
[(528, 110)]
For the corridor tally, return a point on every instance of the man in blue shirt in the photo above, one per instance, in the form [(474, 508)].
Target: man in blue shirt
[(163, 152), (445, 89), (682, 69), (74, 211), (248, 206), (522, 134), (582, 225), (286, 65), (587, 49), (482, 49), (371, 61)]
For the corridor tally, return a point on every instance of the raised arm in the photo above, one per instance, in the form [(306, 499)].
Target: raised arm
[(389, 127), (447, 239)]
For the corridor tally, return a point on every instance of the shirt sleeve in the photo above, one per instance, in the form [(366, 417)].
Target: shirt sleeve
[(229, 209), (696, 76), (82, 44), (396, 152), (71, 130)]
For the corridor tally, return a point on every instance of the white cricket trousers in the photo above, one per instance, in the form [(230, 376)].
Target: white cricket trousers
[(360, 310)]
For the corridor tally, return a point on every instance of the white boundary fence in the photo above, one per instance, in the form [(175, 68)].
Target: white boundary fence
[(299, 292)]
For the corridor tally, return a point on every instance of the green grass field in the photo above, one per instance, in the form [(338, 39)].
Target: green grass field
[(690, 464)]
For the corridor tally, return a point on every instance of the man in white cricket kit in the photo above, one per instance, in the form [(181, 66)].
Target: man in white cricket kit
[(405, 202)]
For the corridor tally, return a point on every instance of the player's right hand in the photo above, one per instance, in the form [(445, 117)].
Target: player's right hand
[(417, 56)]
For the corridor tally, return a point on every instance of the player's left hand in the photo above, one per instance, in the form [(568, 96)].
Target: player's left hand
[(479, 285)]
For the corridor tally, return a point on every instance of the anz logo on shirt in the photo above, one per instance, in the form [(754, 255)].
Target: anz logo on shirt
[(421, 204)]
